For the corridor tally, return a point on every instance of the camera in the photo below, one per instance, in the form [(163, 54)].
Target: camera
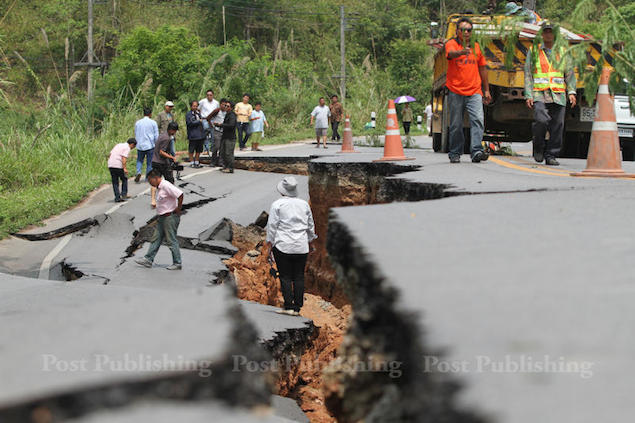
[(175, 166)]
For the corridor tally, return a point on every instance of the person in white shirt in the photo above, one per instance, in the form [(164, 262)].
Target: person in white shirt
[(321, 115), (117, 162), (290, 230), (257, 122), (428, 113), (206, 106)]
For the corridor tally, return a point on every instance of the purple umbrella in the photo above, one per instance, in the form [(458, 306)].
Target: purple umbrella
[(404, 99)]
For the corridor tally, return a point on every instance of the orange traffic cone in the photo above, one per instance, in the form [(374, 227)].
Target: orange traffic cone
[(347, 141), (393, 150), (604, 158)]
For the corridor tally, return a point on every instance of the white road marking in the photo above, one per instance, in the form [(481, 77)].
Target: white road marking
[(46, 263)]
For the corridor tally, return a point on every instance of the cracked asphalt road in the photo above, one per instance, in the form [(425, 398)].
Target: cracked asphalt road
[(539, 267)]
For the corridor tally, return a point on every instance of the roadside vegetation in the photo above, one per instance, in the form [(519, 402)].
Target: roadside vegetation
[(285, 53)]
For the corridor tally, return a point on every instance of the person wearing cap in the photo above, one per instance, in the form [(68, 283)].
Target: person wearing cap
[(165, 117), (513, 8), (290, 230), (468, 90), (169, 206), (546, 92)]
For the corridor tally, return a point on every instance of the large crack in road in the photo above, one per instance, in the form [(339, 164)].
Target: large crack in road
[(352, 308)]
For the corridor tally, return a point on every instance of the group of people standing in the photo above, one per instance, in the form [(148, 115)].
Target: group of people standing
[(324, 116), (547, 90), (211, 126)]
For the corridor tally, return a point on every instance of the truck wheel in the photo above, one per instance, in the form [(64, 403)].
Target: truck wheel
[(628, 150), (436, 142)]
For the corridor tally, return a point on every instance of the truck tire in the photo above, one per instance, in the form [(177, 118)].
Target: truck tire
[(628, 150)]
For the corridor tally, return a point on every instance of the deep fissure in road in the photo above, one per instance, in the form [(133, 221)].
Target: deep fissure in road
[(324, 378), (319, 364)]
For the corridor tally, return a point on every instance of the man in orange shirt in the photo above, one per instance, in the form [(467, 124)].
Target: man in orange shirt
[(468, 88)]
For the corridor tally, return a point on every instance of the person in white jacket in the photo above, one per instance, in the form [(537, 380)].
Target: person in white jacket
[(290, 230)]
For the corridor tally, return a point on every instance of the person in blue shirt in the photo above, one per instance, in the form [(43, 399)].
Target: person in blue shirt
[(257, 122), (146, 132)]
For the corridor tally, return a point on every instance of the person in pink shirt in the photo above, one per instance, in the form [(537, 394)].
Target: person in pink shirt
[(117, 166), (169, 205)]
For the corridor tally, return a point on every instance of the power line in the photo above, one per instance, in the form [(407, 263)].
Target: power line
[(286, 11)]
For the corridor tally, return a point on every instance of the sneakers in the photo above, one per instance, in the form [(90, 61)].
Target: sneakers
[(137, 177), (480, 156), (551, 161), (455, 159), (175, 266), (143, 262)]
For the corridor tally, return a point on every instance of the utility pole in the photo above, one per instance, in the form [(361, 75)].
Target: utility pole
[(342, 55), (90, 51), (224, 33), (89, 59)]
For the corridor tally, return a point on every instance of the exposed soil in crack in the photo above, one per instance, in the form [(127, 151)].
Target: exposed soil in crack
[(302, 376), (289, 165)]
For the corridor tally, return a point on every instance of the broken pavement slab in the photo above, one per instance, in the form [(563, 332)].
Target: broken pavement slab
[(184, 412), (484, 293), (87, 340)]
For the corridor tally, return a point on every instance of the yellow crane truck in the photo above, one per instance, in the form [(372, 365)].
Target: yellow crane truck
[(507, 118)]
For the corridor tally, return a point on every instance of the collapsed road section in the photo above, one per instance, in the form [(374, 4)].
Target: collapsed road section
[(361, 351)]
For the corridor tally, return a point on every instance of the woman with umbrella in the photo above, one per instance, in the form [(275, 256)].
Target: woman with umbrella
[(406, 113)]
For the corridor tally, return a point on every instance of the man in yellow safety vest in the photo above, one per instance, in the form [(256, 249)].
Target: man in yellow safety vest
[(546, 90)]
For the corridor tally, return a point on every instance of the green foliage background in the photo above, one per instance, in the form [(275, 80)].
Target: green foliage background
[(285, 53)]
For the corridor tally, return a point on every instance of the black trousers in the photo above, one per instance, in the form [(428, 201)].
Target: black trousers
[(117, 175), (243, 127), (291, 269), (336, 135), (165, 171), (548, 117), (227, 155), (406, 127)]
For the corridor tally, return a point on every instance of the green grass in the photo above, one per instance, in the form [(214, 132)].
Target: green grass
[(43, 178)]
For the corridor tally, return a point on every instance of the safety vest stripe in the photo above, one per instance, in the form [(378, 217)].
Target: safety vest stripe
[(545, 77)]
